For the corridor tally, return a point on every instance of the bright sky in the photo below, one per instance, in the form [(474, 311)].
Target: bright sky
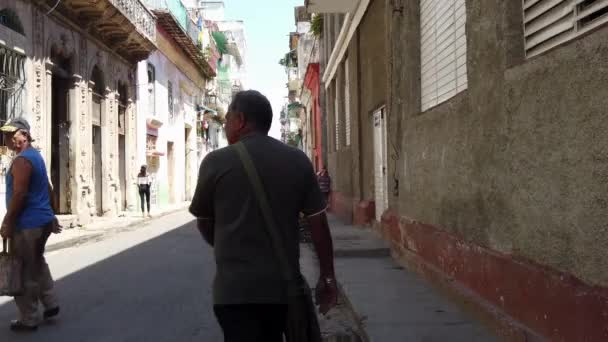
[(267, 27)]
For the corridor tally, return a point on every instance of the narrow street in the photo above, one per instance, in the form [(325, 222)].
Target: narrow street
[(152, 282), (148, 284)]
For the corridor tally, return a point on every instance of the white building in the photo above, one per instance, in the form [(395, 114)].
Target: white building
[(171, 87)]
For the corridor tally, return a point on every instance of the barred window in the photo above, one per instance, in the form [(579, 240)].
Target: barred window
[(170, 99), (12, 84)]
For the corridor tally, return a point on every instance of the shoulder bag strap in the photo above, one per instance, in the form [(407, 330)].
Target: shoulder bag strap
[(273, 230)]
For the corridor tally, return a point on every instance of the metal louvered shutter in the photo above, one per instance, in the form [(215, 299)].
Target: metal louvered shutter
[(347, 102), (549, 23), (443, 50), (337, 113)]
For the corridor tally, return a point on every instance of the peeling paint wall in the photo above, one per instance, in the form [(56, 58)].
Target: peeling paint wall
[(516, 163)]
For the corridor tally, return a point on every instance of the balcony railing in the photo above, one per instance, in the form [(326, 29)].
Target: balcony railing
[(124, 26), (139, 15), (173, 16), (179, 12)]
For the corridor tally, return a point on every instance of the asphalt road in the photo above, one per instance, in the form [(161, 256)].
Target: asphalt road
[(152, 283)]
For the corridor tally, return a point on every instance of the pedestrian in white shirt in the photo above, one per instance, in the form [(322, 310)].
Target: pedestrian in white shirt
[(144, 182)]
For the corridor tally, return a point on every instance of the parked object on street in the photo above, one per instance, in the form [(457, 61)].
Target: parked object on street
[(144, 183), (252, 295), (28, 222), (11, 283)]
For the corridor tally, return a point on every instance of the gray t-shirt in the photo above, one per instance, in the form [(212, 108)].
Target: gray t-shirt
[(247, 269)]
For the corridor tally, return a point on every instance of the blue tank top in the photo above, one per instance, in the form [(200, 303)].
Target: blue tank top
[(37, 211)]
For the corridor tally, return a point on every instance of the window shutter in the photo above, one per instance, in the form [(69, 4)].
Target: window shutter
[(443, 50), (549, 23), (347, 102)]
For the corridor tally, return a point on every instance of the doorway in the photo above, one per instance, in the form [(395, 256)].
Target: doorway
[(188, 171), (97, 105), (97, 170), (380, 163), (60, 141), (171, 171)]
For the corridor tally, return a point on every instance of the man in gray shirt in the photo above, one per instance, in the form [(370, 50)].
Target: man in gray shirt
[(249, 292)]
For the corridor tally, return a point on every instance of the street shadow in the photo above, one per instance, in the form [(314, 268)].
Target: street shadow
[(159, 290)]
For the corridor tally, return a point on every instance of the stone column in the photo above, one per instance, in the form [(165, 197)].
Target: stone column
[(131, 155), (79, 150), (109, 130), (44, 121)]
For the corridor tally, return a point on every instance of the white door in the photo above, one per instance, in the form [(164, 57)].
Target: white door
[(380, 164)]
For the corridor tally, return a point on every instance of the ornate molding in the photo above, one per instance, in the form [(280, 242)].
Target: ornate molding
[(39, 79)]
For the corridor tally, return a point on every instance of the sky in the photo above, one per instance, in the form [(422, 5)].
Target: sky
[(267, 27)]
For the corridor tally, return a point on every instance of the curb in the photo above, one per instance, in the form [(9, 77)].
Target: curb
[(96, 235), (359, 320)]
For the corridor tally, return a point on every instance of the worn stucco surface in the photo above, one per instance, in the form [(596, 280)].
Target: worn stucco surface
[(519, 161), (353, 166)]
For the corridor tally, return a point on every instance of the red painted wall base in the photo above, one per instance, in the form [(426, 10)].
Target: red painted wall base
[(350, 210), (552, 304)]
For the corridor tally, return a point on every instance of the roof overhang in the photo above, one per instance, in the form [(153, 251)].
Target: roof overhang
[(172, 27), (330, 6)]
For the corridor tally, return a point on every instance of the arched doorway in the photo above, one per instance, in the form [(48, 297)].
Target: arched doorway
[(61, 83), (97, 88)]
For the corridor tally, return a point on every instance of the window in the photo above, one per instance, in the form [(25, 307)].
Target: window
[(170, 99), (122, 107), (347, 102), (549, 23), (12, 85), (9, 18), (443, 55), (151, 90)]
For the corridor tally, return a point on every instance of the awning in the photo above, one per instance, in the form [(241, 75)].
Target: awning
[(220, 41), (154, 123), (206, 109), (154, 153)]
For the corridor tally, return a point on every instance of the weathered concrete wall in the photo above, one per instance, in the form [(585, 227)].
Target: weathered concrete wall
[(372, 86), (352, 167), (515, 164), (521, 148)]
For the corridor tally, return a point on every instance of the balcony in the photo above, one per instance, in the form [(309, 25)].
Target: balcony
[(174, 18), (126, 26)]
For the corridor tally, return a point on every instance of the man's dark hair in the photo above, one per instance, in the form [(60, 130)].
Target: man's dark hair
[(255, 107)]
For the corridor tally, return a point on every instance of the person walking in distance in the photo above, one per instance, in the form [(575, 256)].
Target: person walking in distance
[(144, 183), (249, 290), (28, 223), (325, 184)]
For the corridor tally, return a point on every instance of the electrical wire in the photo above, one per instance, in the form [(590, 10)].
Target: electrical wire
[(54, 7)]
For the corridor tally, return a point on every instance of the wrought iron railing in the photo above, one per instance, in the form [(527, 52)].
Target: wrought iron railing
[(180, 13), (139, 15)]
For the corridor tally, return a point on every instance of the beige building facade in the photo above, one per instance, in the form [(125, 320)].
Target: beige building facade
[(75, 83)]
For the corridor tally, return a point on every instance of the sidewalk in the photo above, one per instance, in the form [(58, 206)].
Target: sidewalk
[(394, 304), (101, 226)]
